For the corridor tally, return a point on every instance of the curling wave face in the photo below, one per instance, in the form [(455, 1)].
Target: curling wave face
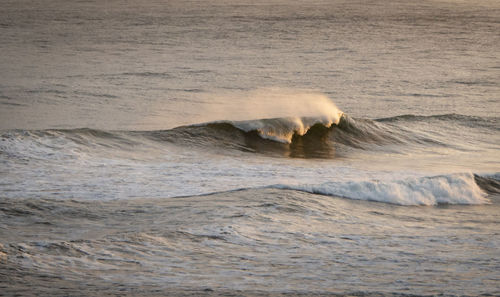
[(286, 135), (337, 135), (284, 129), (228, 155)]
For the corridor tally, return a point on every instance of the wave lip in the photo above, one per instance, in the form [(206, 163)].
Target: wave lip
[(283, 129), (444, 189)]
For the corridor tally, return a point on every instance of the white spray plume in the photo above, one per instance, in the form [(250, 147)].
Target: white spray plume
[(268, 103)]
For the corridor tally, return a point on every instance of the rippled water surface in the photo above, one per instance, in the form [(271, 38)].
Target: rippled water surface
[(249, 148)]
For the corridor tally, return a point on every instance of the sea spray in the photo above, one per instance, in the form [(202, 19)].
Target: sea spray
[(267, 103), (275, 113)]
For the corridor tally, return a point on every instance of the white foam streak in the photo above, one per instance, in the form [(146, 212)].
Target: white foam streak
[(445, 189)]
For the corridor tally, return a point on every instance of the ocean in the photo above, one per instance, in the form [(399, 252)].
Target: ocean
[(249, 148)]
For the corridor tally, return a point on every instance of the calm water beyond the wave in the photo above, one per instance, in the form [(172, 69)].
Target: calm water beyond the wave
[(247, 148)]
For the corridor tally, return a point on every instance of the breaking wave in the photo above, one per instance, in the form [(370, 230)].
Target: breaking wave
[(464, 188), (324, 136), (51, 151), (303, 137)]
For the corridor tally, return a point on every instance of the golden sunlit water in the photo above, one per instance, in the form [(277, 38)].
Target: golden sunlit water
[(249, 148)]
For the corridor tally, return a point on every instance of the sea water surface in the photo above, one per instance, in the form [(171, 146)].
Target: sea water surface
[(250, 148)]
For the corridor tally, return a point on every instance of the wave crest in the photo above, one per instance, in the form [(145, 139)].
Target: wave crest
[(284, 129), (443, 189), (327, 136)]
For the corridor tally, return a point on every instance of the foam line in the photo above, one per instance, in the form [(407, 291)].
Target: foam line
[(444, 189)]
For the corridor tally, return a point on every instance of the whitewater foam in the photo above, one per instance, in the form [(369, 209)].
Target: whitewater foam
[(283, 129), (444, 189)]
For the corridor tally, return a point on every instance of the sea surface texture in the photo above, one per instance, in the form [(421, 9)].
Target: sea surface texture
[(247, 148)]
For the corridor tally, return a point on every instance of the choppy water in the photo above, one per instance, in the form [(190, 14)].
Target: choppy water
[(264, 148)]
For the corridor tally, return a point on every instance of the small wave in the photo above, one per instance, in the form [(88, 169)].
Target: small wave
[(62, 144), (443, 189), (412, 117), (465, 120), (489, 183)]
